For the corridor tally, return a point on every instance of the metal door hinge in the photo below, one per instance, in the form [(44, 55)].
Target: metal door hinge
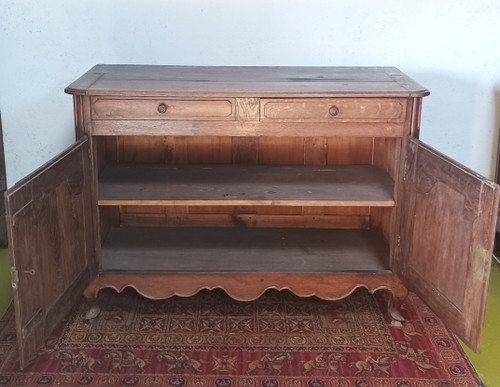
[(15, 277), (398, 240)]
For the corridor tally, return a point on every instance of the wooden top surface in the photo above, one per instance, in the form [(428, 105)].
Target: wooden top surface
[(213, 81)]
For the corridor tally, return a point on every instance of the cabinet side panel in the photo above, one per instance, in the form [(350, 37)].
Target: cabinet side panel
[(82, 116), (386, 153), (405, 203)]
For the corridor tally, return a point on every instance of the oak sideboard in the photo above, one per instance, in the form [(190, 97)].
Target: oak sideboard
[(311, 179)]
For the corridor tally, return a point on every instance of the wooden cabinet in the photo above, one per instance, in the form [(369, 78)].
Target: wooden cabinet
[(245, 179)]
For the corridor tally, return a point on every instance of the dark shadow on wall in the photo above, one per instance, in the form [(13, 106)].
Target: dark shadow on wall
[(3, 186), (496, 101)]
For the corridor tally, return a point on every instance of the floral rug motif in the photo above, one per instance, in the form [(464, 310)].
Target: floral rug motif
[(210, 340)]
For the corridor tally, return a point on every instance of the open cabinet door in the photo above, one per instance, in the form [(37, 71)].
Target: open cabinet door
[(448, 238), (50, 220)]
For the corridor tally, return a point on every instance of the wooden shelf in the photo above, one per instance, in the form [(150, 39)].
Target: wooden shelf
[(243, 250), (153, 184)]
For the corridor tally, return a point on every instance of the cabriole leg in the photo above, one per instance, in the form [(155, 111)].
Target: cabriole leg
[(396, 299), (91, 296)]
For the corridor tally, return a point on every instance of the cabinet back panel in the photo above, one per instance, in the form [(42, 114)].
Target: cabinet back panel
[(258, 216), (246, 216), (386, 153), (109, 216), (241, 150)]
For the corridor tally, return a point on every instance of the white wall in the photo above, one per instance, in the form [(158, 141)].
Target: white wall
[(451, 47)]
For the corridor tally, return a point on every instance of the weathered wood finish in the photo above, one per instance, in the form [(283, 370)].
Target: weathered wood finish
[(51, 237), (241, 128), (250, 286), (312, 116), (387, 153), (163, 109), (255, 81), (341, 185), (318, 117), (193, 219), (109, 216), (239, 249), (250, 101), (333, 110), (449, 239), (249, 151), (247, 109), (247, 216), (246, 150), (273, 130), (295, 150), (272, 143)]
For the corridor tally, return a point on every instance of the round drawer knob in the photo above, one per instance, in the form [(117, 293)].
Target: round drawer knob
[(162, 108), (334, 111)]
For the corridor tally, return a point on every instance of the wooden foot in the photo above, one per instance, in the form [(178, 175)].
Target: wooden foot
[(398, 295), (93, 312), (395, 313), (91, 295)]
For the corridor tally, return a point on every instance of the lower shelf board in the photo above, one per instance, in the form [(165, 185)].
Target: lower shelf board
[(243, 250)]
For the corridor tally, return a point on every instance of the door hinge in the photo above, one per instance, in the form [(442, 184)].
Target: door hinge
[(15, 277), (398, 240)]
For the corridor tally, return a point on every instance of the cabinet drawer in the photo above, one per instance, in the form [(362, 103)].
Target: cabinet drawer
[(163, 109), (334, 110)]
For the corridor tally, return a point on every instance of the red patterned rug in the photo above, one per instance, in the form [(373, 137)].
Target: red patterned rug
[(210, 340)]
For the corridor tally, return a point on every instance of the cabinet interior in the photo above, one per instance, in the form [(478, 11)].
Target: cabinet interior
[(366, 162)]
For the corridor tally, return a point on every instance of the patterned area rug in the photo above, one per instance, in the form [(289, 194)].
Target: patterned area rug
[(210, 340)]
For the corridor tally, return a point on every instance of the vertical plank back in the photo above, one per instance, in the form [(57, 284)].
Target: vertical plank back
[(249, 150)]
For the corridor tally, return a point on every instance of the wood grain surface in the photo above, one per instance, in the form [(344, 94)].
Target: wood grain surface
[(148, 80), (449, 238), (51, 218), (347, 185), (239, 249)]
